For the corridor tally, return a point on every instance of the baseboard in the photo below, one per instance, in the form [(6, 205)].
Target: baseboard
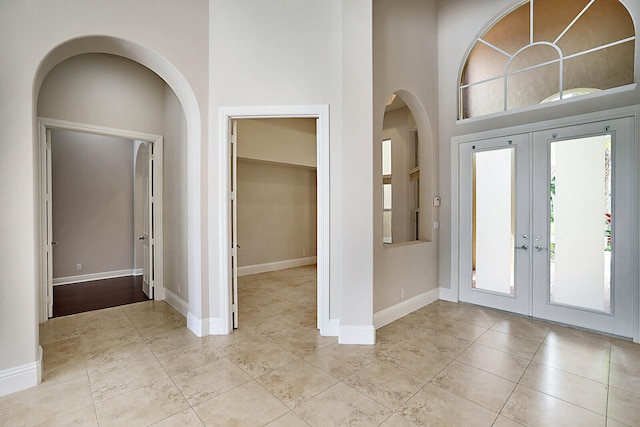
[(390, 314), (275, 266), (137, 272), (357, 334), (332, 329), (176, 302), (21, 377), (204, 327), (94, 276), (448, 295)]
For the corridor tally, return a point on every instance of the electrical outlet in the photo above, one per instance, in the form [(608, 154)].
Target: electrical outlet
[(78, 267), (401, 293)]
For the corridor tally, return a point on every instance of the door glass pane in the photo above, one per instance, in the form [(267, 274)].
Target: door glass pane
[(386, 213), (580, 223), (493, 220), (386, 157)]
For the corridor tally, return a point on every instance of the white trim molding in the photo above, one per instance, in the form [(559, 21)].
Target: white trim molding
[(395, 312), (21, 377), (357, 334), (204, 327), (176, 302), (277, 265), (450, 295), (94, 276)]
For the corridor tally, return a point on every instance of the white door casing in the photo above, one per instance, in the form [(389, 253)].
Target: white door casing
[(46, 197), (147, 223), (47, 261)]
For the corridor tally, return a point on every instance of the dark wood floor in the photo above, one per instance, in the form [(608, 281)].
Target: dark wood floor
[(86, 296)]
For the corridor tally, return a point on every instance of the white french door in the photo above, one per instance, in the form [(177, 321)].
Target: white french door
[(148, 227), (547, 224), (495, 190)]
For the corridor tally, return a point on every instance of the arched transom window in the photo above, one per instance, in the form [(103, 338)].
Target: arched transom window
[(547, 50)]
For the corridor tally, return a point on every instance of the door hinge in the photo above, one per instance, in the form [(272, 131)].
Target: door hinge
[(233, 195), (232, 139)]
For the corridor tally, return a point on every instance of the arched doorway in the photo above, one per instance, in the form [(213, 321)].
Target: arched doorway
[(177, 82)]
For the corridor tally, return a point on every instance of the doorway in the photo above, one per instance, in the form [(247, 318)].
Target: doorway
[(274, 208), (99, 232), (547, 226), (228, 246)]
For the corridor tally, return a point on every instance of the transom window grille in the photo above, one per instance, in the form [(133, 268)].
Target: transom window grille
[(544, 48)]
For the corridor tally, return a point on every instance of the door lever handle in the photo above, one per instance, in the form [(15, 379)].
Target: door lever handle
[(523, 247), (141, 238), (539, 248)]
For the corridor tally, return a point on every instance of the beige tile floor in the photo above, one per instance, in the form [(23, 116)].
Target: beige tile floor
[(445, 364)]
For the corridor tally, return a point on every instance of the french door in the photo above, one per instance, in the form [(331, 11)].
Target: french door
[(547, 224)]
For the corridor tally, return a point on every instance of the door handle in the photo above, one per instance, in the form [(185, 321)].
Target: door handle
[(54, 242), (141, 238), (523, 247), (539, 248)]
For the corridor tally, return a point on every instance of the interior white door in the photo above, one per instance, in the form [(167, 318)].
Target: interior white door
[(494, 211), (585, 226), (48, 224), (147, 223), (234, 221)]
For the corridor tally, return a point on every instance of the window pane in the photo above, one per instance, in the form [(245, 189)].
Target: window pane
[(580, 223), (386, 227), (493, 220), (386, 157), (386, 197)]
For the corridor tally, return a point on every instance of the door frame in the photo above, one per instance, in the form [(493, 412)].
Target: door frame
[(321, 114), (453, 293), (45, 124)]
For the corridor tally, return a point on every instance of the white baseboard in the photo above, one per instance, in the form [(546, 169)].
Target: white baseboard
[(204, 327), (390, 314), (94, 276), (21, 377), (176, 302), (357, 334), (450, 295), (332, 329), (278, 265), (137, 272)]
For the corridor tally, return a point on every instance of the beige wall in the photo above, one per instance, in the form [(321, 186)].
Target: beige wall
[(291, 141), (92, 209), (276, 212), (276, 190), (105, 90), (175, 196), (405, 48)]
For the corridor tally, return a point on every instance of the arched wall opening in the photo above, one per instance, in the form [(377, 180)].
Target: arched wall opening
[(405, 273), (187, 100)]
